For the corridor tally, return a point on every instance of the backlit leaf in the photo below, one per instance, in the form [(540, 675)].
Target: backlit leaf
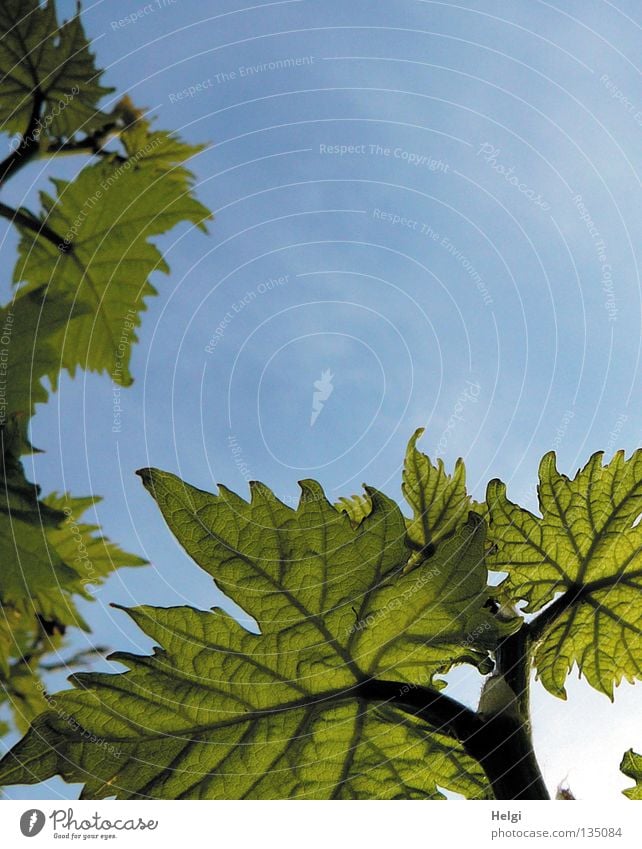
[(356, 507), (439, 501), (108, 214), (48, 559), (38, 55), (587, 546), (631, 766), (218, 712), (81, 545), (29, 328)]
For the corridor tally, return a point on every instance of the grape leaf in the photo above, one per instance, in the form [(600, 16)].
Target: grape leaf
[(631, 766), (92, 557), (586, 546), (158, 149), (356, 507), (37, 55), (392, 612), (107, 214), (32, 572), (24, 693), (29, 326), (16, 634), (79, 306), (219, 712), (440, 613), (36, 585), (439, 501), (48, 557)]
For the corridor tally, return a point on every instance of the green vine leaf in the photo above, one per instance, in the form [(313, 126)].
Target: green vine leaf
[(47, 556), (93, 556), (32, 574), (38, 55), (439, 501), (16, 635), (587, 546), (108, 214), (24, 693), (48, 559), (631, 766), (356, 507), (29, 328), (431, 620), (18, 684), (157, 150), (83, 270), (218, 712)]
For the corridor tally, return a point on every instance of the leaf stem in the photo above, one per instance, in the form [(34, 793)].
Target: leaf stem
[(573, 595), (93, 145), (501, 743), (29, 144), (26, 220), (513, 661), (504, 748), (444, 713), (28, 148)]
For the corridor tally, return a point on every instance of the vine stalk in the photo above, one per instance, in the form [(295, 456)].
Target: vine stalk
[(501, 742)]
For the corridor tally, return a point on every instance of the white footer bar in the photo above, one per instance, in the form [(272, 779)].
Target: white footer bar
[(320, 825)]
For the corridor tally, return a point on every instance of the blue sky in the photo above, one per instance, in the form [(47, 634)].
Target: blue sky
[(445, 195)]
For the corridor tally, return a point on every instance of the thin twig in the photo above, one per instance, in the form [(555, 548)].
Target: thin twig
[(29, 144), (24, 219)]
